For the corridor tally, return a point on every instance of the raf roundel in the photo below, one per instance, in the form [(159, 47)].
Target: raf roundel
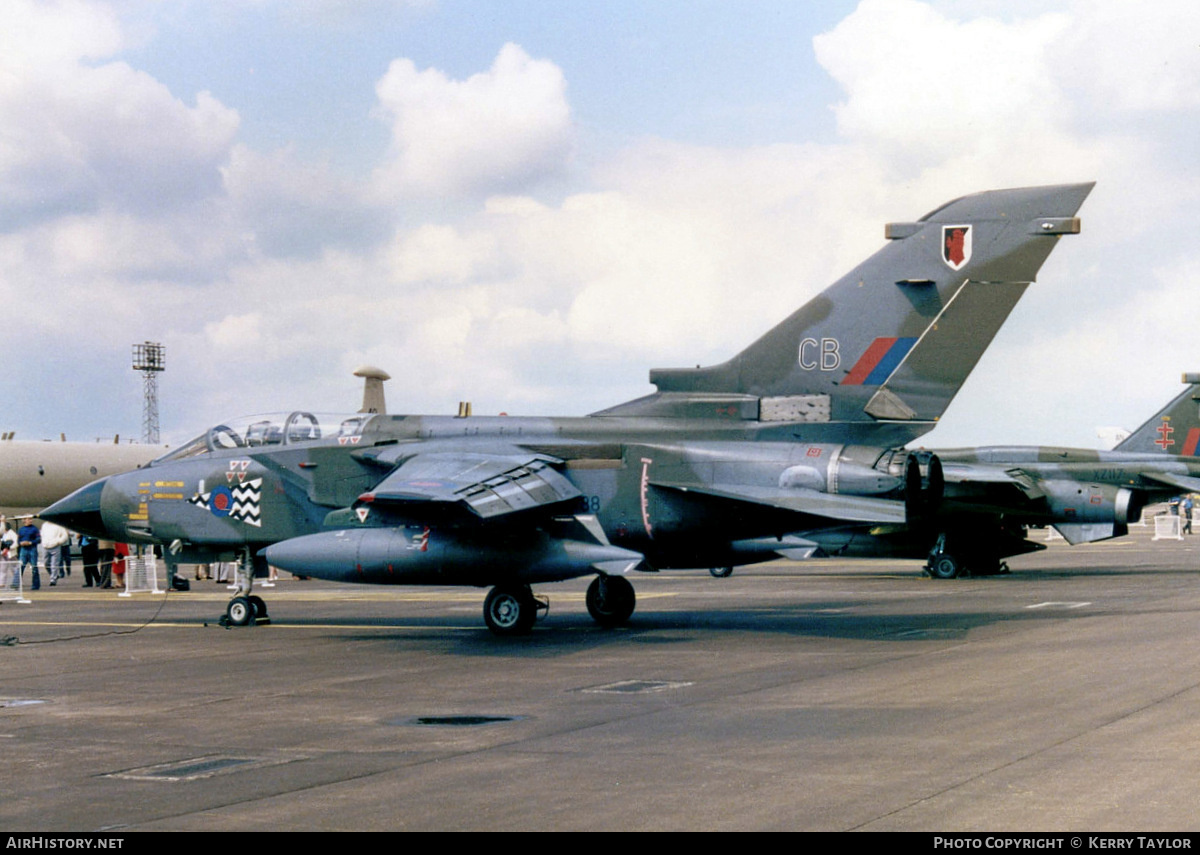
[(220, 501)]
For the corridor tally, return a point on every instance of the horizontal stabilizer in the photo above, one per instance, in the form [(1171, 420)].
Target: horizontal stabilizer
[(973, 473), (858, 509), (1184, 483), (966, 473)]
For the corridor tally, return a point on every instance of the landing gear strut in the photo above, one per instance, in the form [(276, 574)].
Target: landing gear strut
[(610, 600)]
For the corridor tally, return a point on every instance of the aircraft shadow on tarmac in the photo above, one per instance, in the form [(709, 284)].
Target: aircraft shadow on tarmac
[(872, 615), (884, 620)]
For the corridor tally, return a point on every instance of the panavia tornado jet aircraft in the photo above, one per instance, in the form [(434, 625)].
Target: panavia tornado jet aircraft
[(977, 502), (720, 466)]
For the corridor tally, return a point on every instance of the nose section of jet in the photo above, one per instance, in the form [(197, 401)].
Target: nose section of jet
[(82, 511)]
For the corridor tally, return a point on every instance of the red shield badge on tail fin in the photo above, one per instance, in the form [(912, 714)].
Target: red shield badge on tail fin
[(956, 246)]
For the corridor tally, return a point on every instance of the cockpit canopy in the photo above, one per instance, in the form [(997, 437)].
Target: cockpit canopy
[(273, 430)]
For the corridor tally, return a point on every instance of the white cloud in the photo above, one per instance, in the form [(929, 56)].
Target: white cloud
[(235, 332), (133, 208), (933, 89), (43, 32), (433, 253), (498, 130), (79, 137), (288, 207), (182, 246), (1128, 56)]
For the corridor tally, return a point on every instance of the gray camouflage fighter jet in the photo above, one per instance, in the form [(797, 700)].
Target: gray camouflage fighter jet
[(720, 466), (976, 510)]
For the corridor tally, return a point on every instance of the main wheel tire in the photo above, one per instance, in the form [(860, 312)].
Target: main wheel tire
[(240, 612), (510, 611), (610, 600), (721, 572), (944, 566), (260, 607)]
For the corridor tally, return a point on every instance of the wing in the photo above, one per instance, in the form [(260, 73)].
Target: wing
[(472, 485)]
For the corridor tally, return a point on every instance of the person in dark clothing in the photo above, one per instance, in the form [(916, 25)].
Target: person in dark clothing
[(28, 538), (89, 551)]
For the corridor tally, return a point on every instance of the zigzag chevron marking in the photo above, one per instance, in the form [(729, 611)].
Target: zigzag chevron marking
[(246, 498), (248, 492)]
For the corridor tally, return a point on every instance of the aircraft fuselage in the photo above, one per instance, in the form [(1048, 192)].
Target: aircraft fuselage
[(653, 485)]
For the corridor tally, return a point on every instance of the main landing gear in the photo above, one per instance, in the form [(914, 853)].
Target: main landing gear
[(513, 609), (944, 564), (610, 600)]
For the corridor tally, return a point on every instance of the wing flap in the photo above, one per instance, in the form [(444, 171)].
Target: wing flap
[(485, 485)]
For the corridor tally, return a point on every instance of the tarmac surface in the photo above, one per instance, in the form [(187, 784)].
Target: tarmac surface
[(818, 695)]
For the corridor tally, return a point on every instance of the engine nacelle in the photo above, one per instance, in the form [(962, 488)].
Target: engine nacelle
[(847, 469), (1076, 502)]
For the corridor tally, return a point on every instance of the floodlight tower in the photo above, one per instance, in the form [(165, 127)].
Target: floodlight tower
[(150, 358)]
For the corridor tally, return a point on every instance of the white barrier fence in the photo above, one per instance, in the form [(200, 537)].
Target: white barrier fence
[(141, 575), (1167, 527)]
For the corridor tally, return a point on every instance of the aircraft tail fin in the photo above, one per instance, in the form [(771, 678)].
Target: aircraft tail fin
[(894, 339), (1175, 429)]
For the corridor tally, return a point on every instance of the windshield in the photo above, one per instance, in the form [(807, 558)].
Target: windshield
[(273, 430)]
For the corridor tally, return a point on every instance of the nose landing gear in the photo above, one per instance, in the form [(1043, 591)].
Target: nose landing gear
[(245, 609)]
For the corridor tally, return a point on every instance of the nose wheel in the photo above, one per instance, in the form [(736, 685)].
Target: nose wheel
[(245, 611), (239, 612)]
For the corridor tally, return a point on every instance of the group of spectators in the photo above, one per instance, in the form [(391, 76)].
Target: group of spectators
[(27, 547)]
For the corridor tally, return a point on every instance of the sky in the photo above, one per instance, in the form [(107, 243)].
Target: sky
[(528, 205)]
